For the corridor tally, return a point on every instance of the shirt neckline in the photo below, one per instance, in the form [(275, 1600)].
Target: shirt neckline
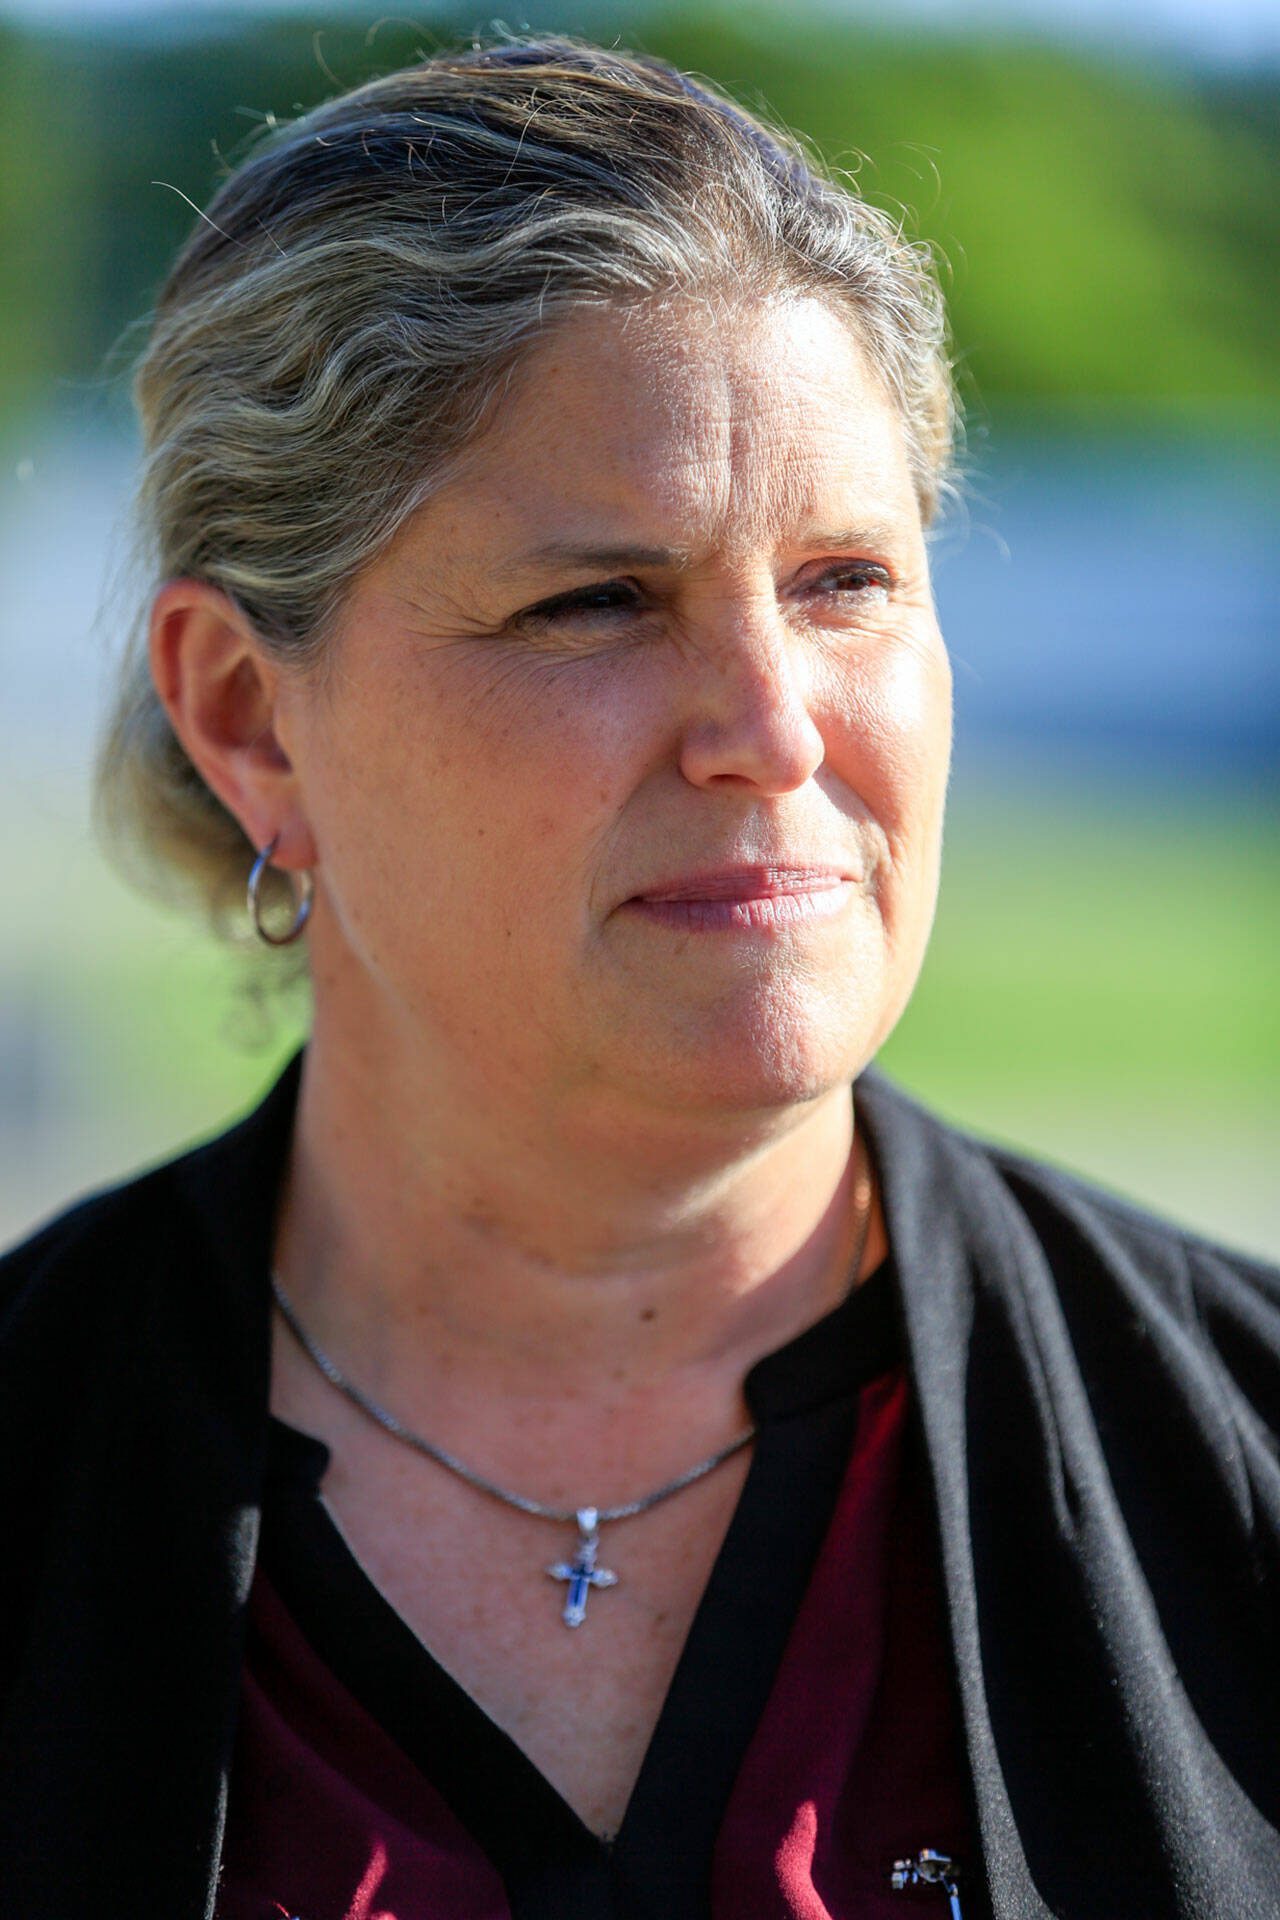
[(857, 1339), (805, 1399)]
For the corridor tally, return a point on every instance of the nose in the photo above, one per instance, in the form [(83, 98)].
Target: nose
[(750, 723)]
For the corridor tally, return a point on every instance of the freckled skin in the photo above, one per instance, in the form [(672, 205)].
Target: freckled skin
[(743, 708)]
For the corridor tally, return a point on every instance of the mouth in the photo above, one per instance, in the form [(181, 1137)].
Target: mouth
[(746, 899)]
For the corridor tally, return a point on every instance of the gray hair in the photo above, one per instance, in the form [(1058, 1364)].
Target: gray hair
[(360, 293)]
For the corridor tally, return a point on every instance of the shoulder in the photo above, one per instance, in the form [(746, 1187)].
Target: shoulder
[(1048, 1321), (135, 1345), (1029, 1229), (1052, 1200), (83, 1273), (94, 1262), (90, 1227)]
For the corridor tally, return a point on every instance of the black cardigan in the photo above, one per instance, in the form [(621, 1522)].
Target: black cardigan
[(1098, 1398)]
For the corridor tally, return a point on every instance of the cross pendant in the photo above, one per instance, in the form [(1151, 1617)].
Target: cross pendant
[(581, 1572), (929, 1869)]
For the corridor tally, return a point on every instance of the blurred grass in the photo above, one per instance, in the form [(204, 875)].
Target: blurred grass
[(1100, 990), (1131, 949)]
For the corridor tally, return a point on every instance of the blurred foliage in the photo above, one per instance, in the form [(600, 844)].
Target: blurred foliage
[(1111, 229)]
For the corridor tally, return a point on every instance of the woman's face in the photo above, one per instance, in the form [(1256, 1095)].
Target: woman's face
[(627, 778)]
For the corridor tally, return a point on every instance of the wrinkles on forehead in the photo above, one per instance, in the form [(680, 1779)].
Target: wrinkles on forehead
[(714, 444), (684, 441)]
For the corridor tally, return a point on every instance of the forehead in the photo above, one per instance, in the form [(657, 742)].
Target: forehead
[(697, 428)]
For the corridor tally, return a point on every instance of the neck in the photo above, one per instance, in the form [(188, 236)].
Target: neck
[(427, 1237)]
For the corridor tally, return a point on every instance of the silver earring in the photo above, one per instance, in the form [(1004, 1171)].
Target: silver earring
[(253, 899)]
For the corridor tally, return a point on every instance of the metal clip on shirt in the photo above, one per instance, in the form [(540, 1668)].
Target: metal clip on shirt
[(929, 1869)]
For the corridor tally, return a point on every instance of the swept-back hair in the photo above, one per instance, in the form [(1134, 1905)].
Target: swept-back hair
[(358, 294)]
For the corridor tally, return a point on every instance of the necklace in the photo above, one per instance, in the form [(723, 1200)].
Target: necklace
[(580, 1572)]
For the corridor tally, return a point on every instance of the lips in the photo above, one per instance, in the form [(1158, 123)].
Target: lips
[(757, 900), (745, 883)]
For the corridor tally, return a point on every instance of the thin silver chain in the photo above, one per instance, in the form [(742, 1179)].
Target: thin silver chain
[(520, 1501)]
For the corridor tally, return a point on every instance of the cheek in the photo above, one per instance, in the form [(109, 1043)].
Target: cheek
[(918, 701), (490, 786), (549, 759), (897, 725)]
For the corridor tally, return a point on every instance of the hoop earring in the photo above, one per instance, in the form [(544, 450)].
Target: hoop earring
[(253, 899)]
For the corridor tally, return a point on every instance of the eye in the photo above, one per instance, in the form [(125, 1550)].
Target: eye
[(600, 600), (858, 577)]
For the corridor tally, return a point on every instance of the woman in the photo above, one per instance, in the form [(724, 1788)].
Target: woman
[(563, 1454)]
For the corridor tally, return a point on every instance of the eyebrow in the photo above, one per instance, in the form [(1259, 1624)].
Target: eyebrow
[(562, 554), (870, 533)]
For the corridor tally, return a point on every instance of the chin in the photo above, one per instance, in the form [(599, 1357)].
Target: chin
[(757, 1036), (758, 1065)]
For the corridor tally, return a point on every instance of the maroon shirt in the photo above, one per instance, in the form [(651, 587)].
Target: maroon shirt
[(809, 1738)]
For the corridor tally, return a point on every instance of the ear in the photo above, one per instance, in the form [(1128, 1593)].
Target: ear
[(222, 693)]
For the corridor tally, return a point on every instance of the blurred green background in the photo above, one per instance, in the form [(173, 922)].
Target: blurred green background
[(1101, 986)]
